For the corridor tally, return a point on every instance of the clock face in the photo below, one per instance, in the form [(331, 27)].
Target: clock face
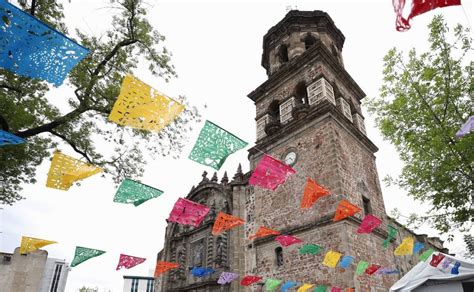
[(290, 158)]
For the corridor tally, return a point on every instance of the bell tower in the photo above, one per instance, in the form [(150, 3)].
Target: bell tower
[(308, 115)]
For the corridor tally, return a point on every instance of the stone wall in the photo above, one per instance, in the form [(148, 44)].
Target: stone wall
[(24, 273)]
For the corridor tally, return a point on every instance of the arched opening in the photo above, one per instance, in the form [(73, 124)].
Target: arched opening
[(279, 256), (283, 54), (301, 94), (274, 110), (334, 52), (309, 41)]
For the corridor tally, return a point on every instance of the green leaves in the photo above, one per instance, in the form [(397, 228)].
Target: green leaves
[(423, 101)]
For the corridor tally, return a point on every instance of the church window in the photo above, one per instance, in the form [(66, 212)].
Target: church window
[(366, 204), (279, 256), (283, 54), (274, 110), (309, 41), (301, 93)]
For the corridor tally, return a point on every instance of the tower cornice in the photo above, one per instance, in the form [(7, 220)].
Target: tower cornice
[(293, 21), (318, 53)]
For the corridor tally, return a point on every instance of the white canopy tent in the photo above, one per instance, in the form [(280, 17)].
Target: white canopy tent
[(426, 278)]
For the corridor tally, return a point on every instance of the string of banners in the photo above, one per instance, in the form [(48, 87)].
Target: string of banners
[(187, 212), (30, 48)]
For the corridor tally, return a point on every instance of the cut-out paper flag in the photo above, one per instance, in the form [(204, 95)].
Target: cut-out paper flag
[(288, 285), (436, 259), (361, 267), (336, 289), (345, 262), (66, 170), (214, 145), (163, 267), (310, 248), (312, 193), (417, 7), (128, 262), (249, 280), (344, 210), (133, 192), (272, 284), (331, 259), (270, 173), (305, 287), (30, 48), (426, 254), (227, 277), (30, 244), (83, 254), (139, 106), (287, 240), (187, 212), (406, 247), (388, 271), (202, 272), (369, 223), (455, 269), (263, 232), (467, 128), (446, 263), (321, 288), (418, 246), (7, 138), (392, 232), (372, 269), (225, 222)]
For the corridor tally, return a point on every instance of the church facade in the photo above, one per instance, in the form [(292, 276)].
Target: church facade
[(308, 115)]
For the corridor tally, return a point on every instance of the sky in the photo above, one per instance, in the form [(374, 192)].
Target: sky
[(217, 47)]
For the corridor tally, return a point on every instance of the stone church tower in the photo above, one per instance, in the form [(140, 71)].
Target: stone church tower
[(308, 115)]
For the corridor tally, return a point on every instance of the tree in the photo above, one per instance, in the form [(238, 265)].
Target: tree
[(424, 100), (27, 110)]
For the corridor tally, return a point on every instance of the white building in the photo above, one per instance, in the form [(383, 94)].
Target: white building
[(138, 284), (32, 272)]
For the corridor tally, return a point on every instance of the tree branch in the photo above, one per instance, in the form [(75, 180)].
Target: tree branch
[(51, 125), (4, 124), (73, 145), (6, 86), (33, 7)]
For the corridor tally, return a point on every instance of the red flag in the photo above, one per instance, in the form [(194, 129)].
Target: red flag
[(312, 192), (436, 259), (263, 231), (248, 280), (418, 7), (162, 267), (344, 210), (372, 269), (225, 222), (421, 6)]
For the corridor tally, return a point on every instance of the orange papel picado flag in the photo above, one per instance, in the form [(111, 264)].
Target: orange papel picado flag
[(331, 259), (264, 231), (66, 170), (162, 267), (225, 222), (29, 244), (406, 247), (344, 210), (312, 192)]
